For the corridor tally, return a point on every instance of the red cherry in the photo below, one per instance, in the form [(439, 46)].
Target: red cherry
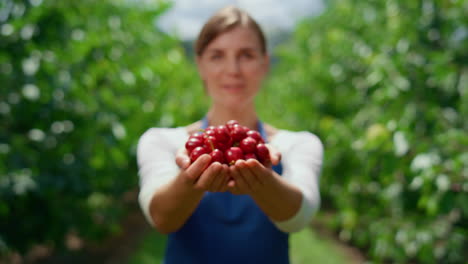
[(228, 143), (210, 132), (233, 154), (255, 135), (248, 145), (193, 143), (250, 156), (217, 155), (237, 133), (211, 143), (263, 153), (224, 145), (199, 135), (230, 124), (197, 152), (222, 134)]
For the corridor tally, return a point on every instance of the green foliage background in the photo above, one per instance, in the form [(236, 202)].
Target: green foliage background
[(80, 81), (385, 86), (383, 83)]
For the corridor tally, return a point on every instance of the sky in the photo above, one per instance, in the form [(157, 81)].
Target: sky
[(186, 17)]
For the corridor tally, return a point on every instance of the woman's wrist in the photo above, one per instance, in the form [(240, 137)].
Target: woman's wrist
[(186, 186), (279, 200)]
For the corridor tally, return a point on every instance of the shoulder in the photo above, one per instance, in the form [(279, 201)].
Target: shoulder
[(169, 135), (270, 131), (303, 140), (194, 127), (163, 137), (164, 133)]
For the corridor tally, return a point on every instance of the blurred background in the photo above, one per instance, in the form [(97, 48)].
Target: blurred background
[(384, 84)]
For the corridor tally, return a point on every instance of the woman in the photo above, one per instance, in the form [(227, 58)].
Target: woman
[(229, 214)]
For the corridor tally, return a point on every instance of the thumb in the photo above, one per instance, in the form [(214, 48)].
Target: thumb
[(182, 159), (275, 155)]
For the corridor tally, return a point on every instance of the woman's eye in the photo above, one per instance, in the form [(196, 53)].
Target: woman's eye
[(215, 57), (247, 55)]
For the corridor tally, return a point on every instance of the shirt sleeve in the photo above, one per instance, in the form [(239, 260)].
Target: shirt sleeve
[(302, 157), (156, 152)]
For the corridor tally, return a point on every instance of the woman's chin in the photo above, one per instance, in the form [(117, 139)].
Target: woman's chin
[(233, 102)]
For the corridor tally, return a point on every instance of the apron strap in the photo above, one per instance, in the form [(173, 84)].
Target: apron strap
[(204, 122)]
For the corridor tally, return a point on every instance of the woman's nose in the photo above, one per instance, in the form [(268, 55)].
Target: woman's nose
[(233, 66)]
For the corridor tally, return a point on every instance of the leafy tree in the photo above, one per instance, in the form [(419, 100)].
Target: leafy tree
[(80, 82), (385, 86)]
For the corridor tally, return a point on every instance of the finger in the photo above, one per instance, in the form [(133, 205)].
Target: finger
[(218, 180), (224, 178), (275, 155), (196, 168), (232, 187), (231, 182), (239, 178), (182, 158), (208, 176), (248, 176), (224, 186), (225, 175), (258, 170)]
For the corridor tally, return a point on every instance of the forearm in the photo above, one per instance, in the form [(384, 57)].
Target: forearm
[(173, 204), (279, 200)]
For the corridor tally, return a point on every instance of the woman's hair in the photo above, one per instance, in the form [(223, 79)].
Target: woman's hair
[(224, 20)]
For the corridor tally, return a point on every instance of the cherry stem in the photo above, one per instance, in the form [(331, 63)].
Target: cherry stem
[(212, 146)]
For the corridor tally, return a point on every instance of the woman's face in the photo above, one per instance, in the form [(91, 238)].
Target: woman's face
[(233, 66)]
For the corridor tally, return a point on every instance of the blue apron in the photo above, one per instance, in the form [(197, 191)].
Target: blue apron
[(228, 229)]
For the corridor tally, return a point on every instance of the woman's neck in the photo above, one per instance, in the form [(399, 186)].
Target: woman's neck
[(247, 116)]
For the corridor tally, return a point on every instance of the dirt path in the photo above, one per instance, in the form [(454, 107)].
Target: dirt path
[(120, 248), (114, 250), (354, 255)]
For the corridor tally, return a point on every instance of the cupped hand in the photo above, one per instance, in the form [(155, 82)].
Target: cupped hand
[(203, 175), (249, 177), (275, 155), (182, 158), (214, 179)]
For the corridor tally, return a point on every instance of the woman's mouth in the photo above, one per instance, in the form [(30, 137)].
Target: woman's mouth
[(233, 87)]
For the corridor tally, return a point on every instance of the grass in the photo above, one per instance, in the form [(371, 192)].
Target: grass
[(151, 249), (306, 248)]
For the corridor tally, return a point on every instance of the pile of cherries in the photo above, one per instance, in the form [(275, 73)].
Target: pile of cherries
[(228, 143)]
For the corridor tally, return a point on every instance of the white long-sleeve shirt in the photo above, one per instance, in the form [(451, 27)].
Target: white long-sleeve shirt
[(301, 158)]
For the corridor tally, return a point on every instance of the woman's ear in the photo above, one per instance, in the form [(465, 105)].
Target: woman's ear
[(198, 61), (200, 72)]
